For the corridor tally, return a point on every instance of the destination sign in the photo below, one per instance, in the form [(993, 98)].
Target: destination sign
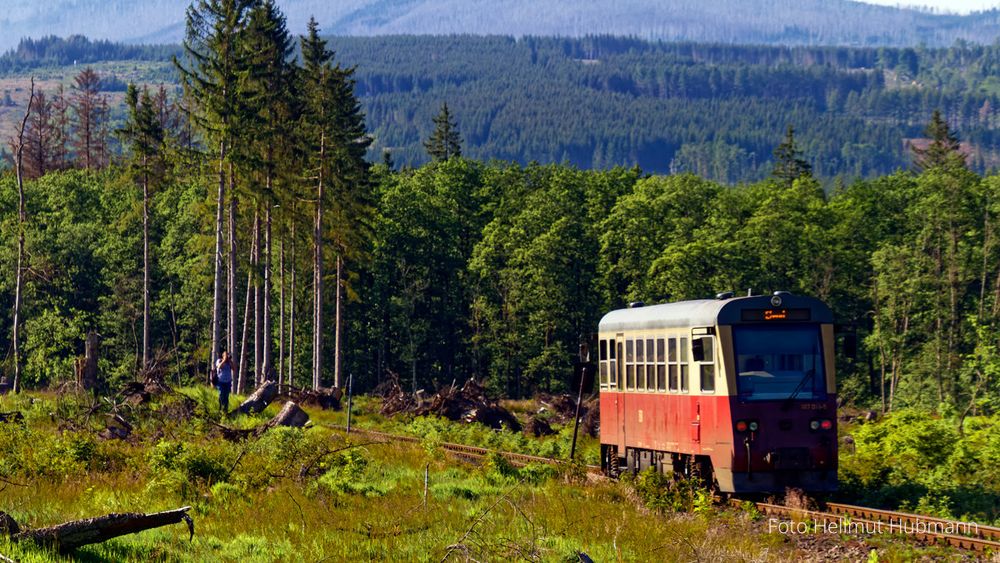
[(775, 314)]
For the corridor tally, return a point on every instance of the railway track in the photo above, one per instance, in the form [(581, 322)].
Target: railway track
[(846, 518), (836, 517), (471, 453)]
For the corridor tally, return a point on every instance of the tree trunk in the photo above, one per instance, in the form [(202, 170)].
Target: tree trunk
[(336, 338), (258, 313), (71, 535), (281, 310), (291, 311), (267, 360), (318, 274), (217, 285), (145, 266), (233, 271), (241, 380), (22, 220)]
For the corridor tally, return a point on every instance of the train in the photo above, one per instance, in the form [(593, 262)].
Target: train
[(737, 391)]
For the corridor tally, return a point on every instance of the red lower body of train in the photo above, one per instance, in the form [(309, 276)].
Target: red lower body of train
[(792, 443)]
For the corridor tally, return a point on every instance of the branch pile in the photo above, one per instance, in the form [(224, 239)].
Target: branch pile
[(562, 408), (324, 398), (468, 404)]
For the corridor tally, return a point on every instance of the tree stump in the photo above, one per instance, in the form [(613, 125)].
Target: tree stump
[(291, 415), (86, 367)]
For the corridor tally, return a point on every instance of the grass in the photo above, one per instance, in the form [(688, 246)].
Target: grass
[(316, 495)]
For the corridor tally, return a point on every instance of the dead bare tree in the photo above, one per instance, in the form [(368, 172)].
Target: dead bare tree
[(22, 220)]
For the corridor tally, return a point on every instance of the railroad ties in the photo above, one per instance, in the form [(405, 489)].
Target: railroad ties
[(469, 453)]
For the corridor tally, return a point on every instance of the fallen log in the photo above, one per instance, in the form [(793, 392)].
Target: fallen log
[(14, 416), (71, 535), (260, 398)]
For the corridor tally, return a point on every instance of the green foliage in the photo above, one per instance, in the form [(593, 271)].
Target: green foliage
[(664, 494), (923, 463)]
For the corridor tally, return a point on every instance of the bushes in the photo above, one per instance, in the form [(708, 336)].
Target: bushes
[(915, 461), (661, 493)]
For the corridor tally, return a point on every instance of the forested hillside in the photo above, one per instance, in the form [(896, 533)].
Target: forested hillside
[(786, 22), (714, 110)]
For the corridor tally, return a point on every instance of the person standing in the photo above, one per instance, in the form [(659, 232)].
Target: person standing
[(224, 381)]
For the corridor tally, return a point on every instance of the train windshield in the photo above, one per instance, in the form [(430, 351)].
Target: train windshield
[(779, 362)]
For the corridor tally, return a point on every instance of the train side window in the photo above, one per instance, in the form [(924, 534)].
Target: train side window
[(630, 365), (613, 364), (604, 364), (672, 365), (650, 365), (684, 364), (706, 367), (661, 365), (640, 367)]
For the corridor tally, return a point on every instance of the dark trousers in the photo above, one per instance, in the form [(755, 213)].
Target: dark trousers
[(224, 389)]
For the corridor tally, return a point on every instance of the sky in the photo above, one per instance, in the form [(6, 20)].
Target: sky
[(960, 6)]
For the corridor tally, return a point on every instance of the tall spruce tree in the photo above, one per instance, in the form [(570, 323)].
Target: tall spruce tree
[(269, 99), (944, 149), (211, 74), (143, 135), (788, 162), (445, 142), (336, 142)]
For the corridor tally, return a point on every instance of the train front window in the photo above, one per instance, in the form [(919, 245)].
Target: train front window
[(779, 362)]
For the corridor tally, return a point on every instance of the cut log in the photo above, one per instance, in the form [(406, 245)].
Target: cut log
[(291, 415), (260, 398), (71, 535)]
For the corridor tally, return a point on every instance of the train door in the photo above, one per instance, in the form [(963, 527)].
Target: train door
[(620, 403)]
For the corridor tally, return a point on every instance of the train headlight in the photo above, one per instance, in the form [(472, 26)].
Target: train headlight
[(753, 425), (741, 426), (814, 425)]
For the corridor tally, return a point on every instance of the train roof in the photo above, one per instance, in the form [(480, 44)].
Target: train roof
[(707, 312)]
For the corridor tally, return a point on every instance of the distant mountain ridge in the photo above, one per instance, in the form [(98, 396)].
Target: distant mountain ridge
[(786, 22)]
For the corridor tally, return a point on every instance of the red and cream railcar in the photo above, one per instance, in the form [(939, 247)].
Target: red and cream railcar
[(736, 390)]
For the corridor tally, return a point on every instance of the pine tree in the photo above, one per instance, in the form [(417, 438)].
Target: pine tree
[(445, 142), (90, 111), (788, 162), (143, 135), (944, 149)]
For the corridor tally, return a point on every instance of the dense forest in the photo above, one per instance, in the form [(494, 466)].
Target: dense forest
[(713, 110), (782, 22), (243, 216)]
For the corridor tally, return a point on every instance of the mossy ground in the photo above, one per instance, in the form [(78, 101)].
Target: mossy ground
[(315, 494)]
